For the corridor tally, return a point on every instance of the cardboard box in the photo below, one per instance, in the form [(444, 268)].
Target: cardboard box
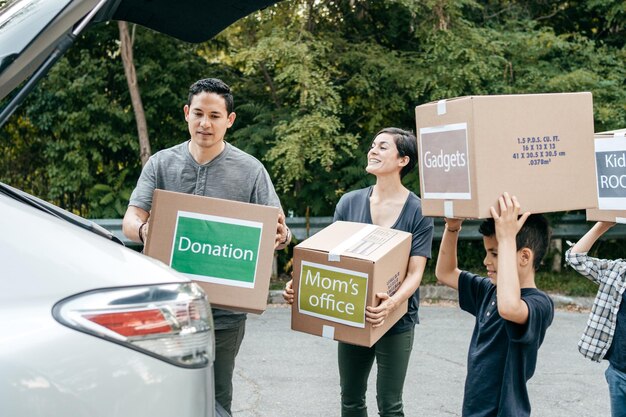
[(227, 247), (473, 149), (336, 275), (610, 177)]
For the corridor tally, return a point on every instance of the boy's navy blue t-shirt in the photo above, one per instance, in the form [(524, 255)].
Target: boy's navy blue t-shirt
[(502, 355), (355, 207)]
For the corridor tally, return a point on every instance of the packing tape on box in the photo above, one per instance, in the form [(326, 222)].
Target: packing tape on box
[(441, 107), (448, 209), (328, 332), (334, 255)]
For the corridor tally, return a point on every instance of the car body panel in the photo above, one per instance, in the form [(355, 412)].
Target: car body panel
[(48, 369), (67, 381), (40, 46), (49, 242)]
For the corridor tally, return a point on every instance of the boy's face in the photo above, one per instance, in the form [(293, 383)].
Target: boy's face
[(208, 119), (491, 257)]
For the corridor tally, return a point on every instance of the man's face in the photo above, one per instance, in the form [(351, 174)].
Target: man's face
[(491, 257), (208, 119)]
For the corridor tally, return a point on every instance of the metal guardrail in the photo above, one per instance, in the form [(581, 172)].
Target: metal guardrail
[(570, 226)]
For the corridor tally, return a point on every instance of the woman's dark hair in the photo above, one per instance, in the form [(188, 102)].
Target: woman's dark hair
[(212, 85), (407, 146), (535, 235)]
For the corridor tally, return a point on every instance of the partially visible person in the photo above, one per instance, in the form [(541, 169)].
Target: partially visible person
[(512, 315), (605, 334), (392, 155), (207, 165)]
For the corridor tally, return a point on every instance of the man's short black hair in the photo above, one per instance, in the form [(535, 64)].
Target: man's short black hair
[(406, 144), (212, 85), (534, 235)]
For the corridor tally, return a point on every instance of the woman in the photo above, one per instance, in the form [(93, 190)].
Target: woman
[(389, 204)]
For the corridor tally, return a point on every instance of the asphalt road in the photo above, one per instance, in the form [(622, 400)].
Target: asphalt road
[(283, 373)]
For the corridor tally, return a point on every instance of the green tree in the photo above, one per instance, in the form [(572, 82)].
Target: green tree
[(313, 82)]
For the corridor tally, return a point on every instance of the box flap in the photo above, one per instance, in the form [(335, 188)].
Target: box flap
[(354, 240)]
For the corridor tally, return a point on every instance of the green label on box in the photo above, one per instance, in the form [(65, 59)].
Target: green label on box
[(216, 249), (334, 294)]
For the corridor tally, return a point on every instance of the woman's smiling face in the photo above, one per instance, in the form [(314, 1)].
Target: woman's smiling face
[(383, 157)]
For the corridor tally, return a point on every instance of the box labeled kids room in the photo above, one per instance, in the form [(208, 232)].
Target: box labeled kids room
[(610, 153), (538, 147), (337, 273), (227, 247)]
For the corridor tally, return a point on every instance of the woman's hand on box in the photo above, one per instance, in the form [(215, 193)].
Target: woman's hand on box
[(288, 293), (377, 315)]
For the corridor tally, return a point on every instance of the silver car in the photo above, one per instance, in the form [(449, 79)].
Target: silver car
[(87, 326)]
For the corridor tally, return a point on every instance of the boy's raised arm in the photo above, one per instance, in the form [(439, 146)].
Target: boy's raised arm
[(447, 270), (510, 304), (586, 242)]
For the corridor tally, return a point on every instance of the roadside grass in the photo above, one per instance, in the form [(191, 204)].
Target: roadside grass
[(567, 282)]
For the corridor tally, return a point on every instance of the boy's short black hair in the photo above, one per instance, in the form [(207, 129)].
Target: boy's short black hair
[(212, 85), (407, 146), (535, 235)]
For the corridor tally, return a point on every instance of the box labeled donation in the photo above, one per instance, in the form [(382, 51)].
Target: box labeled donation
[(338, 272), (610, 177), (472, 149), (227, 247)]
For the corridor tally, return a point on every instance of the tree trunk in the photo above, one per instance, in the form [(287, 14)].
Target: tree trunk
[(126, 51)]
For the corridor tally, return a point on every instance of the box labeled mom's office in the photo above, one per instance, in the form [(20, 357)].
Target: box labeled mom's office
[(227, 247), (610, 156), (338, 272), (538, 147)]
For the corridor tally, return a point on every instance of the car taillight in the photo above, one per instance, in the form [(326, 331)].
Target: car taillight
[(172, 322)]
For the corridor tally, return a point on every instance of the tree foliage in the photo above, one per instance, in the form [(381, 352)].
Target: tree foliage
[(313, 81)]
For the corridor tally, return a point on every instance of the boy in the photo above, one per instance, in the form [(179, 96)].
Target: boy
[(605, 334), (512, 315)]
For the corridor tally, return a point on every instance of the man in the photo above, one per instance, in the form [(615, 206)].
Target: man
[(207, 165)]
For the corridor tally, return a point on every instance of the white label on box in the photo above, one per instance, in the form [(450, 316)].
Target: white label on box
[(620, 220), (448, 209), (328, 332), (611, 173), (444, 162), (334, 255), (372, 241), (441, 107)]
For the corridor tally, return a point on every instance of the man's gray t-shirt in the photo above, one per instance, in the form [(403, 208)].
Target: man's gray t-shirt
[(232, 175)]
